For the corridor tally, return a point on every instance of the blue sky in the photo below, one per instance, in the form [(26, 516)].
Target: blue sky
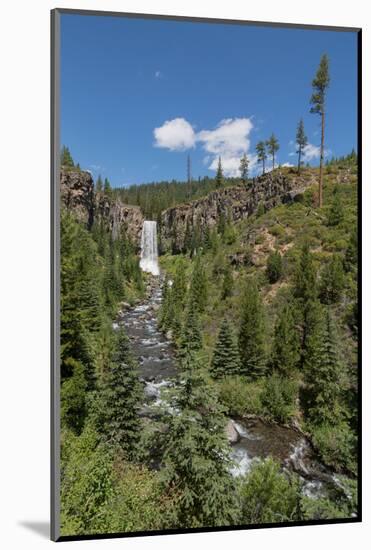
[(138, 96)]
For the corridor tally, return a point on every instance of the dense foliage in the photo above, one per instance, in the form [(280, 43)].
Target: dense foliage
[(275, 337)]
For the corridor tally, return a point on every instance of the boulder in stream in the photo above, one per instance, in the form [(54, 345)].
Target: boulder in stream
[(230, 431)]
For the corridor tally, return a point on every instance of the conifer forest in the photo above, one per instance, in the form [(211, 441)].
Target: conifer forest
[(209, 342)]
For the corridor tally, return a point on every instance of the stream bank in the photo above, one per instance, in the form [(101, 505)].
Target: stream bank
[(256, 439)]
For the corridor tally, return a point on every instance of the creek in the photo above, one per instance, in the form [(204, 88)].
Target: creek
[(256, 438)]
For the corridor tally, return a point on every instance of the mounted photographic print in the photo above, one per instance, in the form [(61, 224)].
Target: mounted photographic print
[(205, 334)]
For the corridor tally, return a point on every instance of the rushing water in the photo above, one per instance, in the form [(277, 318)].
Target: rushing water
[(149, 252), (256, 439)]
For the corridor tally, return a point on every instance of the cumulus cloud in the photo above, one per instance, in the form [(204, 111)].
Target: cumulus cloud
[(229, 140), (287, 165), (176, 134), (311, 152)]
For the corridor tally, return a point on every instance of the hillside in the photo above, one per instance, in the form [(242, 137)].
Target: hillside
[(230, 253)]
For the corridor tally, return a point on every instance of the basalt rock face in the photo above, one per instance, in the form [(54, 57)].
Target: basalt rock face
[(79, 197), (234, 203), (77, 194)]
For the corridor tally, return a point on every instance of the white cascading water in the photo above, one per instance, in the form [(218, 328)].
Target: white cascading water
[(149, 253)]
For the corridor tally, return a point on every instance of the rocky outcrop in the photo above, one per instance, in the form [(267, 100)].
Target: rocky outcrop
[(234, 203), (77, 194), (231, 433), (79, 197)]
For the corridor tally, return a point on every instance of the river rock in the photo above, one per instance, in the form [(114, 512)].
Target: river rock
[(232, 434)]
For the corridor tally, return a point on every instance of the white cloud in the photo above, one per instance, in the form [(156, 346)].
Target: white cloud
[(176, 134), (95, 167), (229, 140), (158, 74), (287, 165), (311, 152)]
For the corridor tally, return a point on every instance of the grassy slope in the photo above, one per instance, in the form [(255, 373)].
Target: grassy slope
[(284, 228)]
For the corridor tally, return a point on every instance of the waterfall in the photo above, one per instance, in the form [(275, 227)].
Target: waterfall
[(149, 254)]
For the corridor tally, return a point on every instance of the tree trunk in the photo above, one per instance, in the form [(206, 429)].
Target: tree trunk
[(320, 197), (299, 160), (273, 161)]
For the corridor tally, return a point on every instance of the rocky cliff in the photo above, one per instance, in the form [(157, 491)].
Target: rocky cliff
[(235, 203), (79, 197)]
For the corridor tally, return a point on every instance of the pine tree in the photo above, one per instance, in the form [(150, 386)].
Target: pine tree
[(332, 281), (227, 287), (274, 267), (196, 453), (179, 287), (226, 359), (301, 141), (66, 158), (261, 152), (121, 398), (322, 370), (198, 287), (351, 253), (272, 147), (336, 213), (251, 338), (305, 284), (305, 287), (285, 354), (107, 189), (320, 84), (191, 335), (244, 168), (99, 185), (219, 179), (187, 246)]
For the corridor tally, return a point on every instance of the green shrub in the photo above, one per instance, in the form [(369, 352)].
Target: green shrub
[(239, 396), (277, 230), (274, 267), (337, 445), (269, 496), (278, 398)]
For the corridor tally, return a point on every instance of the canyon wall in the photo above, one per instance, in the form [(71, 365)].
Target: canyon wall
[(78, 196), (235, 203)]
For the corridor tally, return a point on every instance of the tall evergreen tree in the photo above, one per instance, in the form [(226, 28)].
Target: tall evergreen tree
[(305, 284), (191, 335), (66, 158), (121, 399), (198, 287), (274, 267), (99, 185), (196, 454), (351, 253), (305, 287), (244, 168), (107, 189), (272, 148), (219, 178), (179, 287), (252, 336), (320, 84), (227, 287), (332, 281), (301, 142), (323, 370), (336, 212), (226, 359), (262, 154), (285, 354)]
